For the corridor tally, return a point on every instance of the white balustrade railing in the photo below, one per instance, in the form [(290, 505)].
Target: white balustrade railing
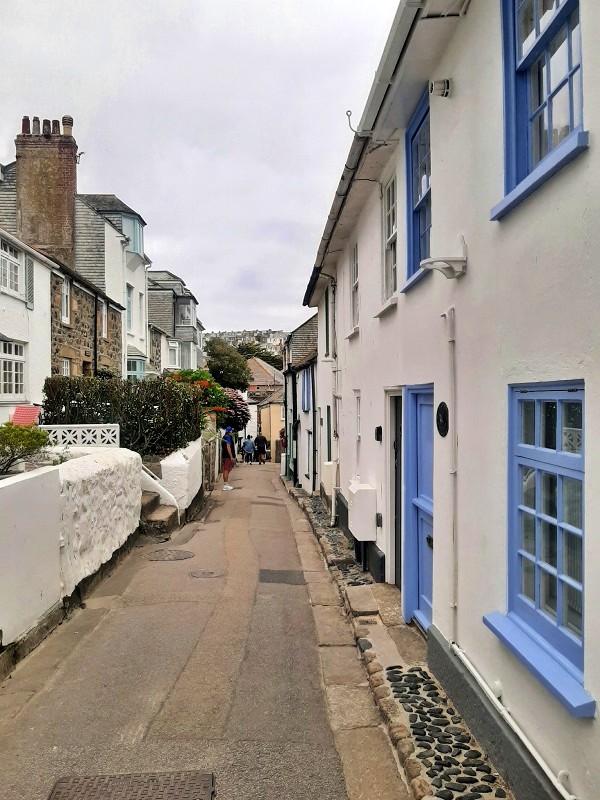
[(84, 435)]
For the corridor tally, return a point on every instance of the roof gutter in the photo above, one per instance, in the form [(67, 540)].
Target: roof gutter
[(388, 66)]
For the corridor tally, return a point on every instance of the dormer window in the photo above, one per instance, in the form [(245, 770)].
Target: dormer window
[(185, 313), (133, 229)]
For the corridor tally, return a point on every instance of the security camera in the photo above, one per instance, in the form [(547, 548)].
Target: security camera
[(440, 88)]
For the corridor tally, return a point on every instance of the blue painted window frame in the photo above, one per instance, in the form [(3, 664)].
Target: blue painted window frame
[(521, 178), (413, 209), (561, 643)]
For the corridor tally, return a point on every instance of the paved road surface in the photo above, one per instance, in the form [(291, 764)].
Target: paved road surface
[(163, 671)]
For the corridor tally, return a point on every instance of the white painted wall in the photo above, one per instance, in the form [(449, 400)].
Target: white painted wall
[(89, 536), (526, 311), (31, 326), (29, 553), (181, 473), (135, 275)]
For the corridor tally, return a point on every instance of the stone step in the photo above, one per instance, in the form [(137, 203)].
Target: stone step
[(150, 502), (161, 521)]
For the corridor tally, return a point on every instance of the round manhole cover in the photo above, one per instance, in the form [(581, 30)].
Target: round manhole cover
[(170, 555), (206, 573)]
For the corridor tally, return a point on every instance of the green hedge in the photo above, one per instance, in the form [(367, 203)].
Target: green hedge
[(156, 416)]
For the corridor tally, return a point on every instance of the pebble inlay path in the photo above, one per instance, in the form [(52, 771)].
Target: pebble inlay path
[(455, 767)]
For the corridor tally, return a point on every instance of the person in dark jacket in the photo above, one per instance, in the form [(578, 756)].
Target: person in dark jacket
[(260, 445)]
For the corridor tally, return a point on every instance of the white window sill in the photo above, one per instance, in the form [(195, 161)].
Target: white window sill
[(11, 293), (354, 332), (389, 304)]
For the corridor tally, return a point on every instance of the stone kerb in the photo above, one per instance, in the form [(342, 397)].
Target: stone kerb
[(100, 508), (181, 473)]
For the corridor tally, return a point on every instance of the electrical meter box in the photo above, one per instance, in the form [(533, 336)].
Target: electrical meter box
[(362, 510)]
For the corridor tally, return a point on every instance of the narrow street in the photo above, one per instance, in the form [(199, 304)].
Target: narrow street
[(171, 668)]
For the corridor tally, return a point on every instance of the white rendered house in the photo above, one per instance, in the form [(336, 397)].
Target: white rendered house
[(456, 286)]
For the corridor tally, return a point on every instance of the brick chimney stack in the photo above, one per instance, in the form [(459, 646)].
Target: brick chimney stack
[(46, 177)]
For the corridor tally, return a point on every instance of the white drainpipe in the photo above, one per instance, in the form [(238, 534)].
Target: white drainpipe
[(563, 775)]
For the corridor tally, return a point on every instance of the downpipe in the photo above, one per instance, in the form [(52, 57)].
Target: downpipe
[(558, 781)]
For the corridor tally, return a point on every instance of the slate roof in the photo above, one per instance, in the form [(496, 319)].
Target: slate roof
[(302, 342), (275, 398), (89, 256), (109, 204), (133, 351), (263, 374), (160, 309), (8, 198)]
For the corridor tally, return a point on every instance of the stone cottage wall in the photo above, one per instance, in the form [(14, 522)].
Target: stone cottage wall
[(75, 340)]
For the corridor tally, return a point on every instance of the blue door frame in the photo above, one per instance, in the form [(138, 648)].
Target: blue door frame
[(418, 504)]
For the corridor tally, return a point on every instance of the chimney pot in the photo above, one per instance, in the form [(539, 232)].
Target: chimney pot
[(36, 126), (46, 128), (25, 125), (55, 127), (67, 125)]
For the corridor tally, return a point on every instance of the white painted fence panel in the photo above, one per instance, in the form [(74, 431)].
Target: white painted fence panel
[(84, 435)]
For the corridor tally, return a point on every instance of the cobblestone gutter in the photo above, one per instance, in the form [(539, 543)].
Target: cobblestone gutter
[(438, 755)]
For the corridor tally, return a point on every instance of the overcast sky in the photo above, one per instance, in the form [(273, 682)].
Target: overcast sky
[(221, 122)]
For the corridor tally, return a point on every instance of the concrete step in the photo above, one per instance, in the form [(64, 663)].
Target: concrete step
[(161, 521), (150, 502)]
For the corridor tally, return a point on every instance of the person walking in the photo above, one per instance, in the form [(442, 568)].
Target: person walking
[(248, 448), (260, 445), (228, 457)]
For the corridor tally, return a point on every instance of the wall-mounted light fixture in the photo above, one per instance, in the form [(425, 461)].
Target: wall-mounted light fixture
[(440, 88), (450, 266)]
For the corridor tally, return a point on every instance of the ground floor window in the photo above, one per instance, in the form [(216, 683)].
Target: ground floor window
[(65, 367), (174, 354), (546, 514), (135, 369), (12, 370), (308, 452)]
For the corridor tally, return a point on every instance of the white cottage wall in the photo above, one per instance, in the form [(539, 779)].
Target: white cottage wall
[(31, 326), (525, 311)]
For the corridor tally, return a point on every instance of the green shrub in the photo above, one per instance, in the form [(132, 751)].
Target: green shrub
[(18, 442), (155, 417)]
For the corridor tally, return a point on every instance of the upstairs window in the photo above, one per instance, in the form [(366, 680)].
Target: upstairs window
[(326, 321), (129, 307), (134, 230), (65, 311), (546, 516), (104, 308), (354, 285), (418, 162), (543, 93), (11, 270), (185, 313), (390, 224), (306, 390)]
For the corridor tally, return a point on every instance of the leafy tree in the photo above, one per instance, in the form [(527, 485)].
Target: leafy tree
[(254, 350), (226, 365), (18, 442), (212, 397)]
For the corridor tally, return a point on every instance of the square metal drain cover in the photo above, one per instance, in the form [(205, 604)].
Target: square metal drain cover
[(294, 577), (137, 786)]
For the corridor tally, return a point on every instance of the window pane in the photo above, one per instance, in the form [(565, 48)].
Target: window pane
[(575, 39), (576, 98), (561, 116), (526, 27), (537, 80), (19, 378), (572, 427), (559, 58), (528, 532), (572, 610), (573, 556), (528, 487), (539, 137), (549, 494), (572, 502), (528, 579), (528, 421), (548, 541), (7, 377), (545, 10), (548, 593), (548, 423)]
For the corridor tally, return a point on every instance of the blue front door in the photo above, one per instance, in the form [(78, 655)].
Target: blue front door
[(419, 508)]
